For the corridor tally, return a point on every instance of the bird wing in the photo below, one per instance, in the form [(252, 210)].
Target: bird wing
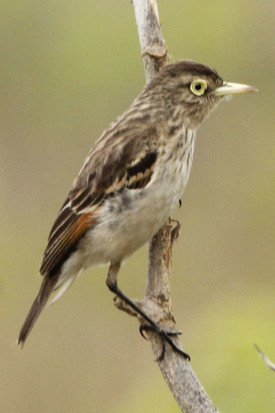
[(118, 160)]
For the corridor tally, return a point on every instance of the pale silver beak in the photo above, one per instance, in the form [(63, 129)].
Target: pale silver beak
[(233, 88)]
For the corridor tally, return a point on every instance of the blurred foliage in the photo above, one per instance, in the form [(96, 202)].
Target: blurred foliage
[(67, 69)]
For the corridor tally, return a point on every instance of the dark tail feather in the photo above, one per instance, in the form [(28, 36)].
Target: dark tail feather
[(38, 305)]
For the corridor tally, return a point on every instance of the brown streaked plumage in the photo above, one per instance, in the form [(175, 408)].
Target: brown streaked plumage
[(130, 182)]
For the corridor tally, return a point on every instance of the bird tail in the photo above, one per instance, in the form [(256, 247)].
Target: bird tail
[(39, 303)]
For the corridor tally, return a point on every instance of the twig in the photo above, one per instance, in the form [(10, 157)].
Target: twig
[(176, 370), (267, 361)]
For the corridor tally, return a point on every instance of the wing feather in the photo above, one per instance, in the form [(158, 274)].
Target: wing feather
[(115, 163), (64, 244)]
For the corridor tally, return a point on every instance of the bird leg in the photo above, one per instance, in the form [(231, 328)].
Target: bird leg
[(165, 336)]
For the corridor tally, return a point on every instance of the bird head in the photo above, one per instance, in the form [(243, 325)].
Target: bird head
[(194, 88)]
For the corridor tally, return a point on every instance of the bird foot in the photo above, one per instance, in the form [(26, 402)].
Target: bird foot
[(165, 336)]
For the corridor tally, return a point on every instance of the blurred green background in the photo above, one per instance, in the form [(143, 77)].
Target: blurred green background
[(67, 69)]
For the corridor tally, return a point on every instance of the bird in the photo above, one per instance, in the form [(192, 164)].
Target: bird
[(131, 181)]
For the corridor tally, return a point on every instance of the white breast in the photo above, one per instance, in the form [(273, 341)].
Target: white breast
[(128, 220), (175, 165)]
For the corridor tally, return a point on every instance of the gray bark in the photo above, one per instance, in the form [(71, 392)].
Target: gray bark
[(177, 371)]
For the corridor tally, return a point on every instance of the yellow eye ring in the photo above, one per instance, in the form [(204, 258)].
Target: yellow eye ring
[(198, 87)]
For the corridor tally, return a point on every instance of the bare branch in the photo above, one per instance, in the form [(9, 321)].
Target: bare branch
[(153, 49), (176, 370), (267, 361)]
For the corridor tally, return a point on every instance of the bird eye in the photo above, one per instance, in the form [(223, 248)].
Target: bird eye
[(198, 87)]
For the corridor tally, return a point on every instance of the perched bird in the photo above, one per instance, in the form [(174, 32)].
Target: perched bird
[(132, 179)]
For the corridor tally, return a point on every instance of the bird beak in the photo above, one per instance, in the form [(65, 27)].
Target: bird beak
[(233, 88)]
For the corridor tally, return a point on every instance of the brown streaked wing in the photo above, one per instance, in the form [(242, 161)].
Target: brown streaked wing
[(60, 246), (108, 171)]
